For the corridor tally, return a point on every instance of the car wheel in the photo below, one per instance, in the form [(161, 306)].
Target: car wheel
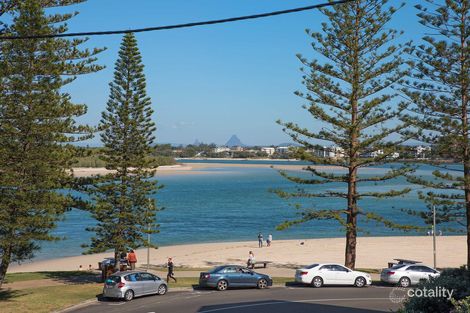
[(129, 295), (317, 282), (360, 282), (222, 285), (404, 282), (162, 290), (262, 283)]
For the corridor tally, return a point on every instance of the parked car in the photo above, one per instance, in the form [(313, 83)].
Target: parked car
[(129, 284), (228, 276), (406, 275), (319, 274)]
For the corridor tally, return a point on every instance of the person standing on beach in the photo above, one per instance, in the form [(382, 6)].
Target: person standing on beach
[(269, 240), (170, 274), (260, 240), (132, 259)]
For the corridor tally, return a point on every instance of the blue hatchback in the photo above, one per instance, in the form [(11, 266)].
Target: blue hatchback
[(228, 276)]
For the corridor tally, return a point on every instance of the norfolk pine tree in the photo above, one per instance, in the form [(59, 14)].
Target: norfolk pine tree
[(350, 97), (440, 94), (37, 126), (121, 200)]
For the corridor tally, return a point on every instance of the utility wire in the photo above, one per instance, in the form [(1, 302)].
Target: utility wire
[(186, 25)]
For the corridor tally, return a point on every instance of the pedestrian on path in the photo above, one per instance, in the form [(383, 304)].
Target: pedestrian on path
[(170, 274), (251, 260), (132, 259)]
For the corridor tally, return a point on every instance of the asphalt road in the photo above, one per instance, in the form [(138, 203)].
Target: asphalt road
[(273, 300)]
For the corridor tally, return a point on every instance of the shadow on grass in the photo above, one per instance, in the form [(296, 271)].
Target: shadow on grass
[(8, 294), (66, 277), (74, 277)]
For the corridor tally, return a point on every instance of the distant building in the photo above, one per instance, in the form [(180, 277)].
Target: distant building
[(422, 152), (237, 148), (282, 150), (221, 149), (268, 150)]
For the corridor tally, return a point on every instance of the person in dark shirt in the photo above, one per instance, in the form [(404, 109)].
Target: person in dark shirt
[(170, 274)]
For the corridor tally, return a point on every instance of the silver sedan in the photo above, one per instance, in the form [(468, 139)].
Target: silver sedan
[(129, 284), (406, 275)]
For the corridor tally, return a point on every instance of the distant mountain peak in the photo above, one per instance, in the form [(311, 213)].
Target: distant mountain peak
[(234, 142)]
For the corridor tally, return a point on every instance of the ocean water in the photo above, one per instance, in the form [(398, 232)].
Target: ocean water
[(234, 204)]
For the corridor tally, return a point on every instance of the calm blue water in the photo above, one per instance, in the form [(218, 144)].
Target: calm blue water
[(232, 204)]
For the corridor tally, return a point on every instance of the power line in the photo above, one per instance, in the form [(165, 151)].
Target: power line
[(176, 26)]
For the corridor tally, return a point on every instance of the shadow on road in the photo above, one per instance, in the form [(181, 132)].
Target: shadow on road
[(276, 306)]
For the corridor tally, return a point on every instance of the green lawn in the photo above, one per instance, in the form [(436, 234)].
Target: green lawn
[(47, 299)]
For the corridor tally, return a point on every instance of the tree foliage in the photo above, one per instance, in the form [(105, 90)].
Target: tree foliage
[(121, 200), (37, 126), (350, 98), (440, 94)]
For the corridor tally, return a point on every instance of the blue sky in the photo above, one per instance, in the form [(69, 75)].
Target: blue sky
[(210, 82)]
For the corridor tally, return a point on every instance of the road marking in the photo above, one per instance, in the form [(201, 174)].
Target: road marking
[(290, 301)]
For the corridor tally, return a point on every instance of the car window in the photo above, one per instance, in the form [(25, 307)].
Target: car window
[(413, 268), (113, 279), (230, 270), (132, 277), (326, 267), (146, 277), (216, 269), (339, 268), (426, 269)]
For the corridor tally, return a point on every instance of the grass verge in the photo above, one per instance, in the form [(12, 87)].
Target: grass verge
[(46, 299)]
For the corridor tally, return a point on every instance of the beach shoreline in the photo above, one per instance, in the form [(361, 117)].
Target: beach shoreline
[(200, 168), (372, 252)]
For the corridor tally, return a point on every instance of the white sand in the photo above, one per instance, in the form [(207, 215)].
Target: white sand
[(198, 168), (373, 252)]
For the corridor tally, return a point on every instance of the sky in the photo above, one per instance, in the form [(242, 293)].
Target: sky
[(208, 83)]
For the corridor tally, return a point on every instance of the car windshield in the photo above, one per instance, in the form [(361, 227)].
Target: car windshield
[(311, 266)]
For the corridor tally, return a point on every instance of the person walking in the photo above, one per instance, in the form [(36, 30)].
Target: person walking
[(260, 240), (170, 274), (269, 240), (132, 259), (251, 260)]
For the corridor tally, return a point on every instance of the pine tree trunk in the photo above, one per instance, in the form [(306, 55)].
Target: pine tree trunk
[(117, 259), (351, 220), (464, 93), (6, 258), (351, 226)]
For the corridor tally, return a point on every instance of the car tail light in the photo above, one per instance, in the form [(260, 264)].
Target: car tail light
[(303, 273), (121, 284), (390, 273)]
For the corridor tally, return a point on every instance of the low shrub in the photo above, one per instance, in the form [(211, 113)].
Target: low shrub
[(455, 280)]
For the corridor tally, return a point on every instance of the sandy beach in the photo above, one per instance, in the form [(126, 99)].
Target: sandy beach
[(373, 252), (198, 168)]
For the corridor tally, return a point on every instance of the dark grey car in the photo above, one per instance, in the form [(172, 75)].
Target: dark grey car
[(227, 276), (129, 284)]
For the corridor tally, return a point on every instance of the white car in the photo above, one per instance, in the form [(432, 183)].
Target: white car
[(406, 275), (318, 275)]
